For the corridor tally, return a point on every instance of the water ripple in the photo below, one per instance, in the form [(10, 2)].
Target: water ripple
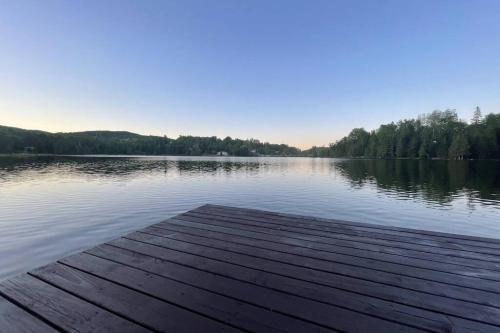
[(53, 206)]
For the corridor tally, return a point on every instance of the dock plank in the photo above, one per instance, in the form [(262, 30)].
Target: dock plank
[(447, 289), (454, 275), (243, 284), (328, 251), (236, 211), (335, 309), (353, 242), (133, 305), (15, 319), (187, 295), (406, 237), (448, 306), (301, 287), (228, 269), (64, 310), (491, 255)]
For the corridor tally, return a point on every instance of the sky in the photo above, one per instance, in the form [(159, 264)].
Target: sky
[(297, 72)]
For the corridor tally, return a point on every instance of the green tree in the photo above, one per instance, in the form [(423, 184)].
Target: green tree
[(477, 117), (386, 135), (459, 147)]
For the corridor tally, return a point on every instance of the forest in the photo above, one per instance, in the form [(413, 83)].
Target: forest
[(16, 140), (440, 134)]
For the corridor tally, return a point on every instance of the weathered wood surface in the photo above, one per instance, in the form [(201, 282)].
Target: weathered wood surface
[(225, 269)]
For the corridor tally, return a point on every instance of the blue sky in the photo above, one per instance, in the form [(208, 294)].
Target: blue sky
[(297, 72)]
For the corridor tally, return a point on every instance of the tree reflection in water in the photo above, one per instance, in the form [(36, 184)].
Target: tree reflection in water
[(435, 180)]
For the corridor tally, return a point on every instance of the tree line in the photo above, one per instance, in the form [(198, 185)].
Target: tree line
[(16, 140), (440, 134)]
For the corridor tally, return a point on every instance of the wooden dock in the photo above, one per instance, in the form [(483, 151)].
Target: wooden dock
[(224, 269)]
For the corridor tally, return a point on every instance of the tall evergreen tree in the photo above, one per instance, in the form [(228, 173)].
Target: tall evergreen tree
[(477, 117)]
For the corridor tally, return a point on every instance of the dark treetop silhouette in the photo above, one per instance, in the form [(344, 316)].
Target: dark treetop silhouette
[(14, 140), (439, 134)]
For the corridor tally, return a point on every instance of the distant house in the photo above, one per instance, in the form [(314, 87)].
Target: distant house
[(29, 150), (222, 153)]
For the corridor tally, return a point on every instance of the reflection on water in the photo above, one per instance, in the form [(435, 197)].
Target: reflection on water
[(438, 182), (52, 206), (19, 168)]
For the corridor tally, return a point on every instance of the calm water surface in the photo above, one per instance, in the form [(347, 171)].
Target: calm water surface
[(53, 206)]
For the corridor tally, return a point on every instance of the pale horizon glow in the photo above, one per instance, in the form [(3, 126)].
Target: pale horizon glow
[(295, 72)]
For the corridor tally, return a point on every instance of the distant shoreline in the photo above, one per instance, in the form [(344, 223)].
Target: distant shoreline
[(439, 135), (233, 156)]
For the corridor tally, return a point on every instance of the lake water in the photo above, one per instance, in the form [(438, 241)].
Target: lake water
[(53, 206)]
